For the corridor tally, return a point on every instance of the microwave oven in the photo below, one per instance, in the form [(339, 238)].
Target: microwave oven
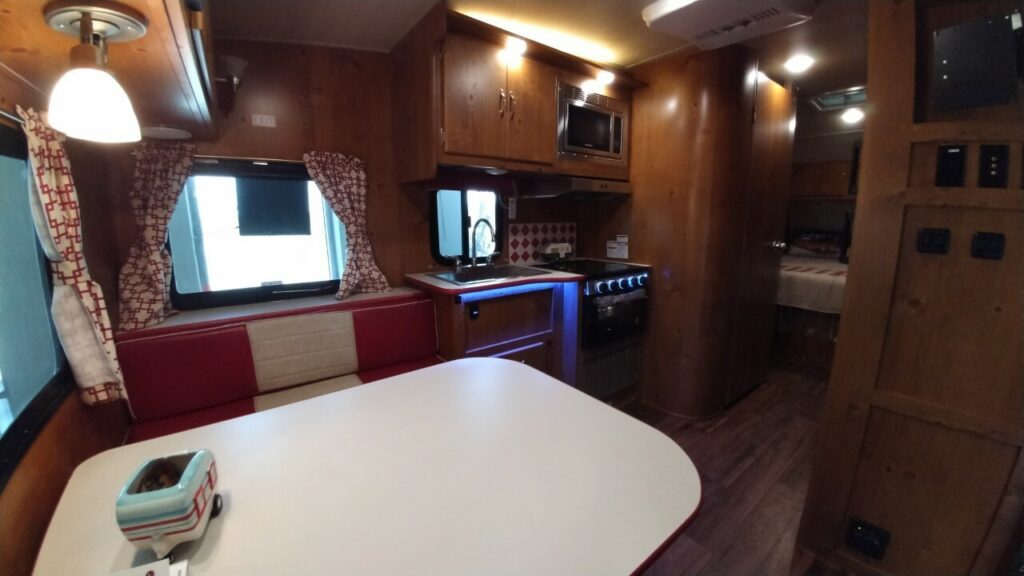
[(591, 126)]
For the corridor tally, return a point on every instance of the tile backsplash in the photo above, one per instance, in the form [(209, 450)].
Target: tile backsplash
[(525, 239)]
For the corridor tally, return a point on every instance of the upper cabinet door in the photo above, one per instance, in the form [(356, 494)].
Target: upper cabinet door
[(475, 98), (533, 107)]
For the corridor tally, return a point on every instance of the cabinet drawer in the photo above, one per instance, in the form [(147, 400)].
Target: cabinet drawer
[(491, 322), (537, 355)]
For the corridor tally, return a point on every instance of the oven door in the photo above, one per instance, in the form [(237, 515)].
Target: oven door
[(609, 319)]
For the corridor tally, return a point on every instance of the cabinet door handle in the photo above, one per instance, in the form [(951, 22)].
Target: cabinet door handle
[(501, 102), (513, 99)]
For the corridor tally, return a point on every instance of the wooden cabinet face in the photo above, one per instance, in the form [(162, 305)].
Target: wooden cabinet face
[(537, 355), (533, 107), (821, 179), (475, 98), (492, 322)]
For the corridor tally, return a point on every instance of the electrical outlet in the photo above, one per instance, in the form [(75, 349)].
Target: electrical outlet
[(988, 245), (264, 120), (867, 539), (933, 240)]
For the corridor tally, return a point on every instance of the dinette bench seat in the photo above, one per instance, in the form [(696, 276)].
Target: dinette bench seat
[(197, 374)]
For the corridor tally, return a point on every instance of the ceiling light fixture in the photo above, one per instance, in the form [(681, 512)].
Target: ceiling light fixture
[(852, 115), (87, 102), (554, 37), (604, 77), (799, 63)]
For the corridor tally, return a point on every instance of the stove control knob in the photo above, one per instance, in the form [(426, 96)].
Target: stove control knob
[(631, 281), (641, 280), (601, 287), (622, 284)]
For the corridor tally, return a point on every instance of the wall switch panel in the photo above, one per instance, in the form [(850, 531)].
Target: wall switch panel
[(933, 240), (264, 120), (988, 245), (951, 165), (993, 166)]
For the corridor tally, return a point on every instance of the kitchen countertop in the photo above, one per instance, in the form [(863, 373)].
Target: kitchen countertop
[(428, 283)]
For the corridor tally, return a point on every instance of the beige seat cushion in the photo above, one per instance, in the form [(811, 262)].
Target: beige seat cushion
[(300, 349), (305, 392)]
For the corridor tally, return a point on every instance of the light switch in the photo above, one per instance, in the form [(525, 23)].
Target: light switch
[(988, 245), (992, 167), (933, 240), (950, 166)]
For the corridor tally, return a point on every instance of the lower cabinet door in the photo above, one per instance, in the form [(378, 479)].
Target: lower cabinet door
[(536, 355)]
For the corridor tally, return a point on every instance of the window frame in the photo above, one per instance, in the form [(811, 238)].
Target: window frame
[(235, 167), (30, 421), (435, 236)]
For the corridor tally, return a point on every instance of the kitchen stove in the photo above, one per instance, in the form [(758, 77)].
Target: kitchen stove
[(613, 316)]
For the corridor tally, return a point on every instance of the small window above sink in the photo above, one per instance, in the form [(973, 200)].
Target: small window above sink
[(454, 217)]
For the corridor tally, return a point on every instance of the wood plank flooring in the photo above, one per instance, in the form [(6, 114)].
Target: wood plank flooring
[(754, 461)]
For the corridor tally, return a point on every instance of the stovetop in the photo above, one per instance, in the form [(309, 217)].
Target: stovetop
[(591, 268)]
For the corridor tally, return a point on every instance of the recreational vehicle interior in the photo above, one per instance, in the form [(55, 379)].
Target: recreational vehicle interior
[(518, 287)]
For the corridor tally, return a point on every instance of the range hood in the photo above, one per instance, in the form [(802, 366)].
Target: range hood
[(571, 187)]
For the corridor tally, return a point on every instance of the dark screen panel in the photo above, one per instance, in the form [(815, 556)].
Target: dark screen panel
[(974, 65), (272, 207), (589, 129)]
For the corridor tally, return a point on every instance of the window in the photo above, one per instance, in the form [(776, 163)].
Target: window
[(30, 356), (250, 231), (455, 233)]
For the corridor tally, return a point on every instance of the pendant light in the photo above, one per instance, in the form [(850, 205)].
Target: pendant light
[(87, 102)]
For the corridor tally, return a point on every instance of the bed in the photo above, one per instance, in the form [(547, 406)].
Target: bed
[(812, 283)]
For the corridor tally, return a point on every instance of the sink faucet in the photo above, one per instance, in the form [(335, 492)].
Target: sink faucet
[(473, 236)]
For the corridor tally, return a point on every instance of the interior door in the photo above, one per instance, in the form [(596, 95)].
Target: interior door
[(765, 223), (475, 98), (533, 112)]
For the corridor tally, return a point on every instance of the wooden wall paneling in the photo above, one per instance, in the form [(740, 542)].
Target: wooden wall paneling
[(942, 304), (821, 179), (75, 433), (907, 466), (416, 86), (327, 99), (925, 405), (884, 170), (753, 313), (691, 146)]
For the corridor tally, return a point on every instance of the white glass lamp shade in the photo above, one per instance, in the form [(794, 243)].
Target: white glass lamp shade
[(89, 104)]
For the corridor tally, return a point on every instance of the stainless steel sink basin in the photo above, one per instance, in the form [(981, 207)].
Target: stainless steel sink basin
[(487, 274)]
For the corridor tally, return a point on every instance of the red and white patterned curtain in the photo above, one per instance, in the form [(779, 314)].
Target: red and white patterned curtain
[(144, 285), (342, 181), (78, 308)]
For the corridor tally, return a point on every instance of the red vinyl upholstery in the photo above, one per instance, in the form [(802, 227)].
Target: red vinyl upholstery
[(392, 335), (190, 376), (180, 373), (163, 426)]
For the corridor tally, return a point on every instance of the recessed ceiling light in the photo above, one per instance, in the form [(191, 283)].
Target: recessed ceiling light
[(799, 63), (852, 115)]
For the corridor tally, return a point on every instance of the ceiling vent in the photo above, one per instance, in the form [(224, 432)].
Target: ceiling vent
[(710, 24)]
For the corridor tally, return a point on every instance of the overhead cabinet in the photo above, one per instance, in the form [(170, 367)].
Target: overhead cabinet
[(493, 109), (464, 103)]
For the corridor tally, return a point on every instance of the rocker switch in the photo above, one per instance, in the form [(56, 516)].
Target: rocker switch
[(933, 240), (988, 245)]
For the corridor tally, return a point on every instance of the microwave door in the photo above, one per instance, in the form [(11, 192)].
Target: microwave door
[(589, 130)]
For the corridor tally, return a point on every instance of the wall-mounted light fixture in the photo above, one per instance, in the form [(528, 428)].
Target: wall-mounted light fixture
[(87, 102)]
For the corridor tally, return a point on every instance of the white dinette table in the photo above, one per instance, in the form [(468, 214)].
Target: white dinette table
[(474, 467)]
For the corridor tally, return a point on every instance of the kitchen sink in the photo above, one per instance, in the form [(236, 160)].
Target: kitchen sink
[(487, 274)]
